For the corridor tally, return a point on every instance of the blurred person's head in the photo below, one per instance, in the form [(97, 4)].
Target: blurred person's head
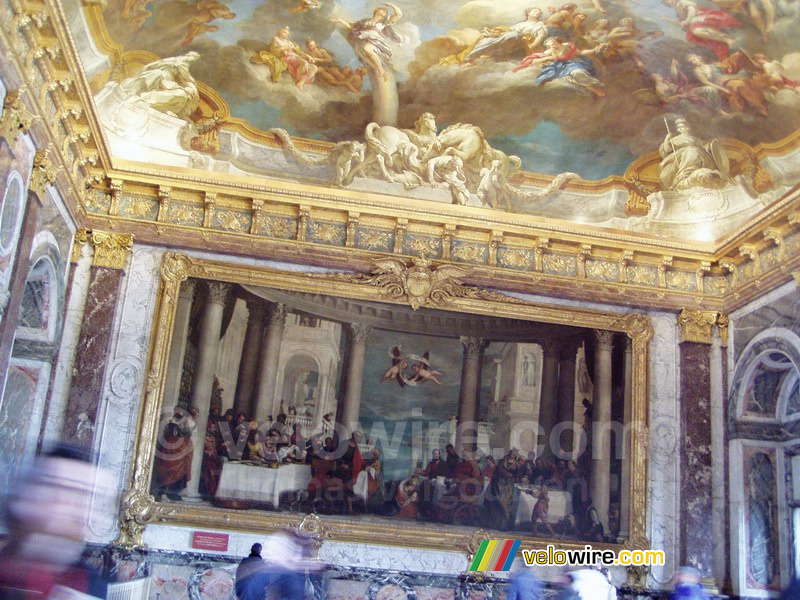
[(255, 550), (48, 511), (687, 576)]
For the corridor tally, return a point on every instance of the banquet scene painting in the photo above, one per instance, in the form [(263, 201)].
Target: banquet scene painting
[(318, 404)]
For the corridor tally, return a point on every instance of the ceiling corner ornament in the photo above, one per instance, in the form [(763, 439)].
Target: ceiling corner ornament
[(16, 117), (696, 325), (419, 283), (637, 326), (43, 173), (111, 250)]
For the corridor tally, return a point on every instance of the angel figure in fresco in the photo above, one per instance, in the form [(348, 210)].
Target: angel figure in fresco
[(370, 37), (282, 55), (772, 74), (205, 12), (166, 85), (704, 26), (532, 30), (399, 364), (732, 79), (423, 371), (563, 60), (306, 5), (672, 88)]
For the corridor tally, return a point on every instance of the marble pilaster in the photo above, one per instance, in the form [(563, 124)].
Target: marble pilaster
[(248, 365), (601, 437), (177, 348), (696, 501), (266, 397), (111, 254), (16, 287), (203, 383), (351, 408)]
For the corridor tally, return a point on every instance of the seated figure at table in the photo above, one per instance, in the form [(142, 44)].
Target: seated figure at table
[(348, 467), (468, 476), (435, 467), (374, 469), (407, 497)]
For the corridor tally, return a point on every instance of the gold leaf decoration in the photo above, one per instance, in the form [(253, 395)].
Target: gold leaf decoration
[(373, 238), (515, 258), (469, 252)]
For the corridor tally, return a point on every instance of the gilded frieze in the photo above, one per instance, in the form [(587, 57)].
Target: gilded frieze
[(558, 264), (331, 234), (138, 207), (602, 270), (468, 252), (278, 227), (184, 214), (514, 258), (642, 275), (681, 280), (374, 239), (232, 220), (715, 285), (418, 245)]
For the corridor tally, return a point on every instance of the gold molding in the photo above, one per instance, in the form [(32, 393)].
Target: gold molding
[(43, 173), (111, 250), (16, 117), (140, 508), (696, 325), (79, 240), (722, 326)]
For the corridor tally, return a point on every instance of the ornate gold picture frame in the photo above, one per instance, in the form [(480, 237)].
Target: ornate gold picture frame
[(417, 290)]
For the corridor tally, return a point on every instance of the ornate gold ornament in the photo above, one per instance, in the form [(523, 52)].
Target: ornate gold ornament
[(43, 173), (637, 577), (722, 325), (696, 325), (16, 117), (391, 283), (111, 250)]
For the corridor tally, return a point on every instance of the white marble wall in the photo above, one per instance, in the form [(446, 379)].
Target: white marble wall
[(124, 391), (123, 388)]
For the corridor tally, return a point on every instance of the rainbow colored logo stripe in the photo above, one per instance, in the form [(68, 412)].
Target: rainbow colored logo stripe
[(495, 555)]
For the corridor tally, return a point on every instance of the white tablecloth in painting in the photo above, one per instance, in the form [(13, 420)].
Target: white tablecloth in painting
[(261, 484), (560, 507)]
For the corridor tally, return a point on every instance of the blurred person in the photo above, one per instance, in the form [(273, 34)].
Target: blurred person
[(252, 576), (792, 592), (287, 562), (524, 585), (687, 585), (47, 515), (590, 584)]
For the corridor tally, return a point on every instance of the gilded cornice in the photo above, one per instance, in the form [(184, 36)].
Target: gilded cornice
[(16, 117), (111, 250), (698, 326)]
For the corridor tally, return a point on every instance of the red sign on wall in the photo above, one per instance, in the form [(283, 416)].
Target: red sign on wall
[(206, 540)]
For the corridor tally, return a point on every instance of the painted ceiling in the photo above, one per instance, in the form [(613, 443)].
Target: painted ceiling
[(625, 72)]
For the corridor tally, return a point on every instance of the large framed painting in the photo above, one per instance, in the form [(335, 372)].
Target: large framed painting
[(400, 405)]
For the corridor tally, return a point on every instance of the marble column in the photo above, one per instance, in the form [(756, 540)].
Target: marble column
[(204, 372), (16, 284), (111, 255), (351, 407), (251, 351), (601, 419), (177, 347), (566, 397), (468, 396), (266, 399), (548, 402), (697, 543), (627, 412)]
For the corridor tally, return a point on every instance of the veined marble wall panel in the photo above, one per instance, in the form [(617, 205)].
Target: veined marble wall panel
[(123, 387), (133, 339)]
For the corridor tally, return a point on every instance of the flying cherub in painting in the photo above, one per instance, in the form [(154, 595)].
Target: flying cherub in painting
[(305, 6), (423, 370), (399, 364), (205, 11)]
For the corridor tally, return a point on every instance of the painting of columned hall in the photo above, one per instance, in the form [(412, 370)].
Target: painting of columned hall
[(317, 403)]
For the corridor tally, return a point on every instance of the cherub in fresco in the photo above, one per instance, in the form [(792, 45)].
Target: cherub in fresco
[(136, 13), (704, 26), (732, 80), (563, 60), (532, 30), (772, 74), (370, 37), (624, 41), (561, 20), (305, 6), (399, 365), (423, 371), (205, 12)]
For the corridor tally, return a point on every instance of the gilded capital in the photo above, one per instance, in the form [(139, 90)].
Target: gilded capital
[(722, 325), (696, 325), (16, 117), (43, 173), (78, 242), (111, 250)]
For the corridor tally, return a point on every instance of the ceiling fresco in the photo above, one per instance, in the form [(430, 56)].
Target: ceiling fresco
[(564, 111)]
